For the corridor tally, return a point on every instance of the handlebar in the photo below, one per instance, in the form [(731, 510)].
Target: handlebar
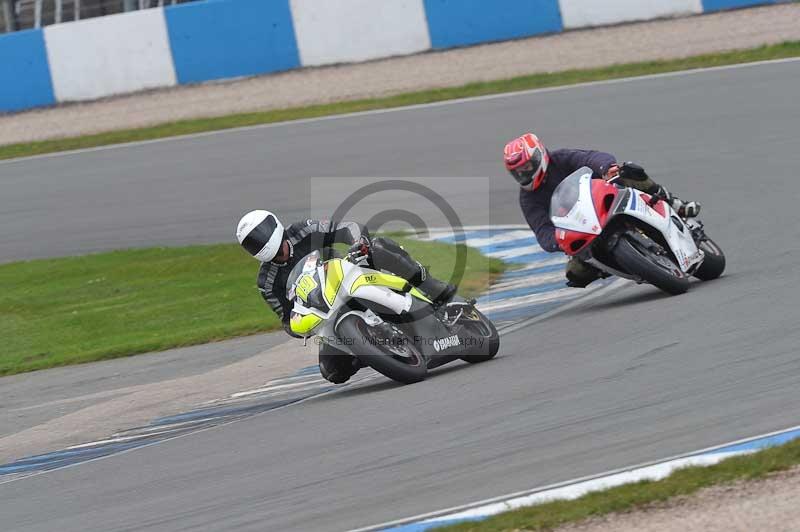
[(358, 250), (356, 255)]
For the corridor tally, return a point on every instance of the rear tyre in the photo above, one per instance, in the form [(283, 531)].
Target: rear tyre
[(714, 263), (397, 357), (657, 268), (481, 328)]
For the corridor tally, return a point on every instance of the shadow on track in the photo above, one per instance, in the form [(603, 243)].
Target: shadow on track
[(384, 383), (615, 300), (647, 294)]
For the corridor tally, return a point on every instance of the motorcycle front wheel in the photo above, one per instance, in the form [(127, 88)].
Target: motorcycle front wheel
[(396, 357), (656, 268), (713, 264), (482, 328)]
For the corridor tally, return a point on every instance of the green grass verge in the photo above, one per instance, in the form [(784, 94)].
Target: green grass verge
[(638, 495), (184, 127), (95, 307)]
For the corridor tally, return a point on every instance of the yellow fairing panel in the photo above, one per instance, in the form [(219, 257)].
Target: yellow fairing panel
[(380, 279), (305, 285), (333, 280), (419, 295), (303, 325)]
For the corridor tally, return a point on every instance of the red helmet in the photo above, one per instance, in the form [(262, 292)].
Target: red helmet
[(526, 159)]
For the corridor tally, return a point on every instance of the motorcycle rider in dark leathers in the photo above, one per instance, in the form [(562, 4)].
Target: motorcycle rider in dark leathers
[(539, 171), (279, 249)]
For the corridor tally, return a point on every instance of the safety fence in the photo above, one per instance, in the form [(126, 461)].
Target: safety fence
[(18, 15), (219, 39)]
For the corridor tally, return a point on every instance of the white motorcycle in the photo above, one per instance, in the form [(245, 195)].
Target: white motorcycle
[(625, 232), (382, 321)]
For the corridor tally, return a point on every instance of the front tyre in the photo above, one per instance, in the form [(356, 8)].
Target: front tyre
[(482, 329), (651, 263), (714, 262), (391, 354)]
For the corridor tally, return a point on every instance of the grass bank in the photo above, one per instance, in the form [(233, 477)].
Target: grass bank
[(638, 495), (570, 77), (82, 309)]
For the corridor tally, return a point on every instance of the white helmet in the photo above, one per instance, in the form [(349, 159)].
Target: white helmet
[(261, 234)]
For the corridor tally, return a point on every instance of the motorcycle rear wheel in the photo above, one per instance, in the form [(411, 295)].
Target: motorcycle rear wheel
[(658, 270), (402, 363)]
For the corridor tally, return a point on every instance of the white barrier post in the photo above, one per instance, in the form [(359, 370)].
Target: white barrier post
[(37, 14), (59, 10), (77, 9)]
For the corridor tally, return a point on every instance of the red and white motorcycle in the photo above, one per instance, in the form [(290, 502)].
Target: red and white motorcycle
[(625, 232)]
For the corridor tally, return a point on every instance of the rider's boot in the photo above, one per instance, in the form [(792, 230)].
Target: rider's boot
[(440, 292), (581, 274), (336, 366), (633, 175), (685, 209)]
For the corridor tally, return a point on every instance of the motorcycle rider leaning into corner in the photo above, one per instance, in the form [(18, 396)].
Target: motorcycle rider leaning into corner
[(279, 249), (539, 171)]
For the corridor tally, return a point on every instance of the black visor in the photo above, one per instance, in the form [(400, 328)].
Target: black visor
[(260, 235), (524, 174)]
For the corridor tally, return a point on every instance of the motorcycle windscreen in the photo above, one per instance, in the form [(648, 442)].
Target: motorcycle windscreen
[(571, 206)]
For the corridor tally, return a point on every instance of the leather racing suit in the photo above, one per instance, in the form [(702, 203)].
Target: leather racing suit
[(310, 235), (536, 204)]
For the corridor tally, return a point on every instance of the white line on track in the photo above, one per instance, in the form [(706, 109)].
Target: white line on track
[(117, 440), (526, 282), (157, 442), (565, 294), (558, 259), (458, 101), (581, 300), (293, 383), (515, 252), (526, 494), (280, 387), (520, 234)]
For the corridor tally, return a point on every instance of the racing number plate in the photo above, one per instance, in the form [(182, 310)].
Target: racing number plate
[(305, 285)]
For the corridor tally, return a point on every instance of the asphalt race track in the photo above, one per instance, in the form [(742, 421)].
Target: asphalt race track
[(625, 379)]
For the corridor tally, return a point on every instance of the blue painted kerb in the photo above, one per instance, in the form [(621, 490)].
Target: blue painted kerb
[(751, 445)]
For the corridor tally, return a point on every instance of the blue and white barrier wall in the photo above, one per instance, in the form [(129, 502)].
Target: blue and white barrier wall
[(222, 39), (583, 13)]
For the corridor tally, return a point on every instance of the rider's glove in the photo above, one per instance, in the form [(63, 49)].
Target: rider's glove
[(611, 173), (287, 326), (360, 249)]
